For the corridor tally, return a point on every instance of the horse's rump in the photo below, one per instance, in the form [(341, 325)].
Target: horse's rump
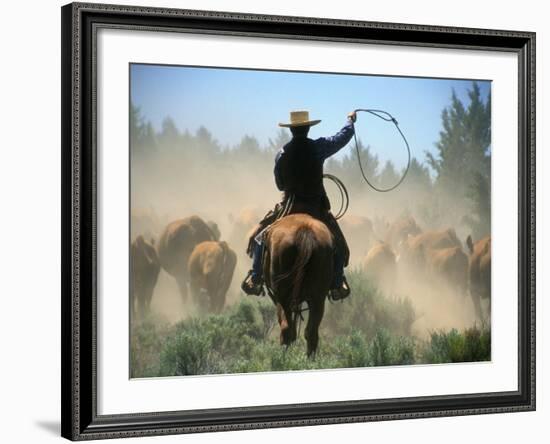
[(298, 265)]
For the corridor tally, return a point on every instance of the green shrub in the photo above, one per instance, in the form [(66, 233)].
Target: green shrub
[(368, 329), (146, 340), (471, 346), (352, 350), (224, 343), (188, 353), (368, 310), (389, 350)]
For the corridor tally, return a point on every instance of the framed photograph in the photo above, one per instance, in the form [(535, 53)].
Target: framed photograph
[(274, 221)]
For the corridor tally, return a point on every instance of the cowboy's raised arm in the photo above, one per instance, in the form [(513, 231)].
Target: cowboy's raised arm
[(327, 146)]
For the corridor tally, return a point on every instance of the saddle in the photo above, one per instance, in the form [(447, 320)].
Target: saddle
[(323, 214)]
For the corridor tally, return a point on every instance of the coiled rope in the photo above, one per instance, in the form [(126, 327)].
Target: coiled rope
[(388, 118), (344, 196)]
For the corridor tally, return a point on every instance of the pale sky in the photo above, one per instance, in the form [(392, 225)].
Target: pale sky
[(232, 103)]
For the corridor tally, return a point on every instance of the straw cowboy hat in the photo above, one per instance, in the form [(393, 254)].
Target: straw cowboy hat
[(299, 118)]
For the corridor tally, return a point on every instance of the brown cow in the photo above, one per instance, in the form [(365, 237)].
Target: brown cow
[(412, 250), (401, 229), (176, 244), (479, 272), (359, 231), (380, 266), (450, 264), (211, 268), (437, 254), (437, 239), (144, 271)]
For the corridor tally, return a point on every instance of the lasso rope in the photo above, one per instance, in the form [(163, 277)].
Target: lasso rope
[(388, 118), (344, 196)]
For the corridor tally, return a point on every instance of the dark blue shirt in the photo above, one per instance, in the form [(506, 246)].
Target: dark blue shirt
[(324, 148)]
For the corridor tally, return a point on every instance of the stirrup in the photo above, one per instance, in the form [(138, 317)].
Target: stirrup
[(342, 292), (251, 288)]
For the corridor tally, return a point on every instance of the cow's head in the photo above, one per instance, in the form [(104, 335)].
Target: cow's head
[(214, 229)]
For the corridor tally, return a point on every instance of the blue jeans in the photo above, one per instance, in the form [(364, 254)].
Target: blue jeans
[(338, 272), (257, 262)]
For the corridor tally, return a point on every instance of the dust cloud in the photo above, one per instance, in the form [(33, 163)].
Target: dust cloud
[(234, 187)]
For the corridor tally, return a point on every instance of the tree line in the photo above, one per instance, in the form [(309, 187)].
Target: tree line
[(450, 185)]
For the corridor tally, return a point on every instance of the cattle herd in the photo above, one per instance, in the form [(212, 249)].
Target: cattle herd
[(396, 256), (190, 251), (401, 257)]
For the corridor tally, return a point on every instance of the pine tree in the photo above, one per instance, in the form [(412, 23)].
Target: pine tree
[(135, 124), (480, 196), (388, 176), (450, 165), (142, 134), (281, 139), (368, 161), (463, 161), (169, 132), (418, 177), (249, 146), (207, 145)]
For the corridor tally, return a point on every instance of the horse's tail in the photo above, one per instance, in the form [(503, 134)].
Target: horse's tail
[(305, 242)]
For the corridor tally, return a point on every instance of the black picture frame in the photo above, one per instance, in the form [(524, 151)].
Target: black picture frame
[(80, 22)]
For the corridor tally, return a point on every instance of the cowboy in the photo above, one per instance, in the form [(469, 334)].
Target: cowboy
[(299, 175)]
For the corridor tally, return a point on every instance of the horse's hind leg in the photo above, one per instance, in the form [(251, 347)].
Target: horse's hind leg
[(287, 324), (316, 311)]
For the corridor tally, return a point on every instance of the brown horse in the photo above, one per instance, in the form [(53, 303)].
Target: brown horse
[(298, 268)]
